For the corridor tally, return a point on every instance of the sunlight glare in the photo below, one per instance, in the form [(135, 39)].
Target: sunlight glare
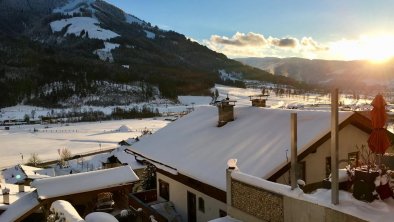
[(377, 49)]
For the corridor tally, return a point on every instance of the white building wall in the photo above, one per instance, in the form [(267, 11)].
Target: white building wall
[(178, 195), (315, 163)]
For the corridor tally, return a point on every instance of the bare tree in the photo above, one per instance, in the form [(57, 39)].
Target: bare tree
[(65, 156), (34, 160)]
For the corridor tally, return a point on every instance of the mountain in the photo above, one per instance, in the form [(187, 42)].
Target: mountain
[(343, 74), (74, 52)]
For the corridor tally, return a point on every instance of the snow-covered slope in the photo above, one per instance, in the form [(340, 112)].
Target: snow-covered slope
[(74, 6), (84, 27)]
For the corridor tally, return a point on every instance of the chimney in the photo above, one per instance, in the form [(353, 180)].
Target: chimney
[(21, 188), (259, 100), (226, 111), (6, 196)]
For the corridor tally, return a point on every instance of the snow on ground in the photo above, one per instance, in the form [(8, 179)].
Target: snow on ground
[(77, 137), (229, 76), (82, 137), (274, 101), (132, 19), (105, 53), (150, 35), (73, 6), (77, 25), (195, 100)]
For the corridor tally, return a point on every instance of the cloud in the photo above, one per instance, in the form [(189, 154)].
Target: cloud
[(285, 42), (312, 44), (240, 39), (255, 44)]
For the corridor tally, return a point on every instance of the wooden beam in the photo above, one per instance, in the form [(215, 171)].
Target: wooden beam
[(334, 148), (293, 169)]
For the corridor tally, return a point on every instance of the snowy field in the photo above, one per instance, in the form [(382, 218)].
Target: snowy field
[(78, 137), (84, 137)]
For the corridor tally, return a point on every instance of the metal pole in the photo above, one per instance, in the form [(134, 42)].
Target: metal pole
[(334, 147), (293, 169)]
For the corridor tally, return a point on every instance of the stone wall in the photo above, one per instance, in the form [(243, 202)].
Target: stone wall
[(255, 204), (262, 204)]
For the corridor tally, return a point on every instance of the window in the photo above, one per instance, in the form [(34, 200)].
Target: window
[(164, 190), (201, 204)]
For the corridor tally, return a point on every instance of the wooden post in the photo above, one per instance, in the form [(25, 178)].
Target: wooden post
[(293, 169), (334, 147)]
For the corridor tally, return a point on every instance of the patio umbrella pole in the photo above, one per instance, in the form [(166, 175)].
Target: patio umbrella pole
[(334, 147)]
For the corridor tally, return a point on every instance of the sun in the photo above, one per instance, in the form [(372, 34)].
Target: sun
[(376, 49)]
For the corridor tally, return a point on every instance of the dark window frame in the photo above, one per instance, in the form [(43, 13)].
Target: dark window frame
[(164, 189)]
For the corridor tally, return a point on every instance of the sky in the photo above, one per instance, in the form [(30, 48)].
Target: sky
[(324, 29)]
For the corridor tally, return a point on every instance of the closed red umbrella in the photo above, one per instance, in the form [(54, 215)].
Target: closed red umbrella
[(378, 141)]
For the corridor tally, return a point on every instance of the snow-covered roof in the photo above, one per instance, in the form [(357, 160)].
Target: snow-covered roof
[(14, 193), (19, 173), (125, 158), (20, 207), (84, 182), (258, 138)]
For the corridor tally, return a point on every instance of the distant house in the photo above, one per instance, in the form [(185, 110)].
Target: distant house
[(191, 154), (82, 190), (123, 143), (23, 174)]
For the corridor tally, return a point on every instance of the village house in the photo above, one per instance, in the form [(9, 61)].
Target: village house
[(191, 153), (23, 174), (102, 190)]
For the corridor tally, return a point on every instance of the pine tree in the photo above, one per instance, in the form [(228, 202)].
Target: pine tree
[(149, 177)]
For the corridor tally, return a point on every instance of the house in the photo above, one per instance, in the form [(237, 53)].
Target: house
[(123, 143), (191, 154), (81, 190), (23, 174)]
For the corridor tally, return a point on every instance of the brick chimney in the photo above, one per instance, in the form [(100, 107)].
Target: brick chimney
[(226, 111), (259, 100)]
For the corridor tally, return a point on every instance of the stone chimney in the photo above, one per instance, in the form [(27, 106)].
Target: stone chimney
[(226, 111), (259, 100), (6, 196)]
